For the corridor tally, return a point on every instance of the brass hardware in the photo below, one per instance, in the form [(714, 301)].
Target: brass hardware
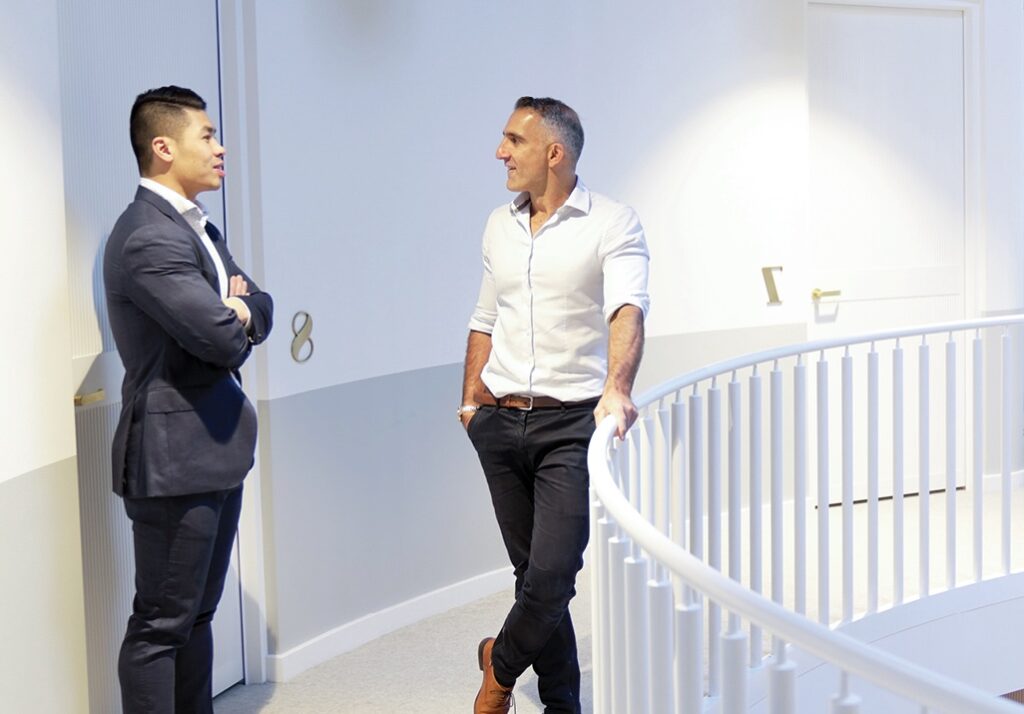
[(769, 283), (817, 294), (91, 398), (302, 328)]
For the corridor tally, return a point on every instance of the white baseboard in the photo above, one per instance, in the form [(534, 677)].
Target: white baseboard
[(345, 638)]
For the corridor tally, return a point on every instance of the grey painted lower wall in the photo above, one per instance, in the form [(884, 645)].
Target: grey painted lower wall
[(372, 494), (43, 659)]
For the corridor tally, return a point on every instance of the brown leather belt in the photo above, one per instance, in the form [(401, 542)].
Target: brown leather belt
[(527, 402)]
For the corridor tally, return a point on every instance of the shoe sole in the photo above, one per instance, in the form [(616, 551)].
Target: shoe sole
[(480, 653)]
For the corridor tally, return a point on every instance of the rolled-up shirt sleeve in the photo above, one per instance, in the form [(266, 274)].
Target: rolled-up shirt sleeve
[(625, 263), (485, 314)]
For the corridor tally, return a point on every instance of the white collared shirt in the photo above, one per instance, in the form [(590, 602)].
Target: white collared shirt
[(546, 299), (196, 217)]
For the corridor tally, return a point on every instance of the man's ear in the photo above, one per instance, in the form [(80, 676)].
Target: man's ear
[(163, 148), (556, 154)]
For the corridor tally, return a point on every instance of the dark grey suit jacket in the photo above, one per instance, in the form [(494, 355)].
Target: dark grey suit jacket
[(185, 426)]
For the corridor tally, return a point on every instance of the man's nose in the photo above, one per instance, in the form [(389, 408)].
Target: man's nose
[(502, 152)]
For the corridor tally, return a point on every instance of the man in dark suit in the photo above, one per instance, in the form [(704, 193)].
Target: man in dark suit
[(184, 318)]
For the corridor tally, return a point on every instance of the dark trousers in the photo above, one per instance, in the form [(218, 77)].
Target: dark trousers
[(536, 468), (182, 551)]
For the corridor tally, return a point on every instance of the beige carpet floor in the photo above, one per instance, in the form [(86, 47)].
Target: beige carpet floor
[(427, 668)]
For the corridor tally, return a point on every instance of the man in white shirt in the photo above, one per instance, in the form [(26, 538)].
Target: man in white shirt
[(554, 345)]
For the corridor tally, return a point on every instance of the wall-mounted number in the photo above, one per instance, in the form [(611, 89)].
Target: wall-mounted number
[(768, 273), (302, 344)]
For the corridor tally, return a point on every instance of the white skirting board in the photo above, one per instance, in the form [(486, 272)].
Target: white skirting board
[(347, 637)]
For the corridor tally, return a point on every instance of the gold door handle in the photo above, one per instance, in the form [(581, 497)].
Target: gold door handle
[(91, 398), (818, 294)]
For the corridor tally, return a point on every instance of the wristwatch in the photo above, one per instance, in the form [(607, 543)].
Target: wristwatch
[(465, 409)]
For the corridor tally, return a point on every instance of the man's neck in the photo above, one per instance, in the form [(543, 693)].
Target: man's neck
[(555, 193), (168, 181)]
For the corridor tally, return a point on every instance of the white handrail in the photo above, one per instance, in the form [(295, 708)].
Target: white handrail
[(893, 673), (726, 593)]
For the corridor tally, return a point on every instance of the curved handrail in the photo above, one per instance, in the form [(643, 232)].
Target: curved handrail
[(889, 671), (894, 673)]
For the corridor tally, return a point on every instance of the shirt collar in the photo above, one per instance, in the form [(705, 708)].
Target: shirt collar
[(578, 200), (180, 204)]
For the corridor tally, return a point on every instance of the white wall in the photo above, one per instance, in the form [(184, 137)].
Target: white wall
[(42, 661), (1002, 258), (379, 126), (37, 427)]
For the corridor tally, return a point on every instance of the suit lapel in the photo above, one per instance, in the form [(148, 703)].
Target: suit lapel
[(207, 267)]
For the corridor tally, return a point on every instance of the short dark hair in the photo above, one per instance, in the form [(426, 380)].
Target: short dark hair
[(159, 112), (560, 118)]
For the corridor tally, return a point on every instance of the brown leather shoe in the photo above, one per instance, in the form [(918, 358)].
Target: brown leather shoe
[(493, 698)]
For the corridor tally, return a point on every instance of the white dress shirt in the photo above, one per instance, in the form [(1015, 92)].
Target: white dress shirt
[(546, 299), (196, 217)]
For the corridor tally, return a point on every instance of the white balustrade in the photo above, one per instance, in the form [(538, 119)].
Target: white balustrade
[(677, 629)]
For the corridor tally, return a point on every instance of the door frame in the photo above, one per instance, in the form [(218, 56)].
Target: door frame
[(974, 224), (239, 112)]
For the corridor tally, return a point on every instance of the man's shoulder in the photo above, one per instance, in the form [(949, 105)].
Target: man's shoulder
[(144, 225), (606, 205)]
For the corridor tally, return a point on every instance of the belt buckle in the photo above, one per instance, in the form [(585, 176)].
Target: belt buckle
[(529, 406)]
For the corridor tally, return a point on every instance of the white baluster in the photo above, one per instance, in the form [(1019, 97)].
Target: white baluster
[(714, 530), (734, 667), (646, 458), (897, 474), (636, 478), (873, 428), (950, 463), (735, 469), (689, 658), (638, 625), (823, 483), (604, 673), (847, 447), (924, 470), (777, 428), (800, 486), (678, 485), (782, 683), (845, 702), (619, 548), (662, 473), (697, 476), (1007, 444), (597, 555), (659, 684), (756, 505), (978, 453)]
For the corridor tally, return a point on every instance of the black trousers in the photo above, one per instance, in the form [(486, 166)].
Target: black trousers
[(182, 551), (536, 468)]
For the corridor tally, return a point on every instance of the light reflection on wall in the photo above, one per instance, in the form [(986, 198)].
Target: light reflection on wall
[(37, 421), (721, 197)]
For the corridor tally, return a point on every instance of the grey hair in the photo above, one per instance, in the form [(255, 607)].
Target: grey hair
[(560, 118)]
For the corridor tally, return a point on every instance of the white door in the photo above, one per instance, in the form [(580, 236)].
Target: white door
[(890, 201), (109, 54)]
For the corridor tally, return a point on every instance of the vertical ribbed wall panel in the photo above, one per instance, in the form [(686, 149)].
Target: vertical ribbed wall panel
[(98, 174), (99, 81), (107, 558)]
